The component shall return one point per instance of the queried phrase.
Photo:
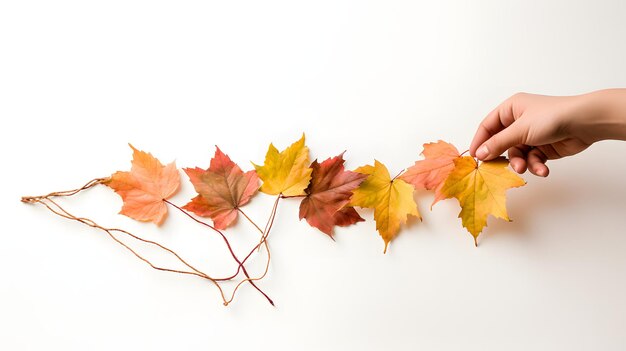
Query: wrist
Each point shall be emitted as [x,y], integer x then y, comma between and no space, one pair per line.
[601,115]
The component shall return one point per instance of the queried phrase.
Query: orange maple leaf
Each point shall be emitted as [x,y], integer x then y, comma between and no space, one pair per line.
[432,172]
[222,189]
[144,188]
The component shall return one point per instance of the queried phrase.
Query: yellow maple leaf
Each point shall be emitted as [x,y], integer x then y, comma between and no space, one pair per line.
[391,199]
[480,190]
[285,172]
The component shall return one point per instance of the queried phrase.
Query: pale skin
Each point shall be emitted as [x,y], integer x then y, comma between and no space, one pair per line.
[537,128]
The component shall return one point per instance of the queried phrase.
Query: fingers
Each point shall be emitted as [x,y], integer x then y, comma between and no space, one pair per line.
[497,120]
[488,127]
[517,158]
[485,130]
[507,138]
[523,157]
[536,160]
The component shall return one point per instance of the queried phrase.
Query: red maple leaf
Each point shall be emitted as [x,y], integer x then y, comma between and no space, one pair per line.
[222,189]
[328,194]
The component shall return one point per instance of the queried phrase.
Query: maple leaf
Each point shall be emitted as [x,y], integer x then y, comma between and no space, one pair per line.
[431,173]
[222,189]
[391,199]
[328,194]
[144,188]
[480,190]
[285,172]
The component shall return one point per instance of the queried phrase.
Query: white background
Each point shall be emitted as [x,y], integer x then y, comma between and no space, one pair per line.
[79,80]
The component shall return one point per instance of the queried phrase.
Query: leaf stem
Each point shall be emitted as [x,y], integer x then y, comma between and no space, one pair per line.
[397,175]
[263,239]
[243,268]
[268,228]
[250,220]
[57,209]
[290,196]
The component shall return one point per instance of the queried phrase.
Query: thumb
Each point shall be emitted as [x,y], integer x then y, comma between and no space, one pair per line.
[507,138]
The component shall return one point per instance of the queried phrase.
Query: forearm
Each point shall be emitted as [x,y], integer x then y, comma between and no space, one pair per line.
[602,115]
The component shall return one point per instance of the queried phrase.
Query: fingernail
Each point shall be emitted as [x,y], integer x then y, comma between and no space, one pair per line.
[541,172]
[482,152]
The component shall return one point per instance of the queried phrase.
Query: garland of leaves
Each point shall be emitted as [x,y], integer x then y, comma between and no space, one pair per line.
[329,196]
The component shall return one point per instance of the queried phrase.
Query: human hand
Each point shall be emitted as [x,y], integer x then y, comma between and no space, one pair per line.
[536,128]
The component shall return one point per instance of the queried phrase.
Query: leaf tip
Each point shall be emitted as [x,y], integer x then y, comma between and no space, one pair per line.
[135,150]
